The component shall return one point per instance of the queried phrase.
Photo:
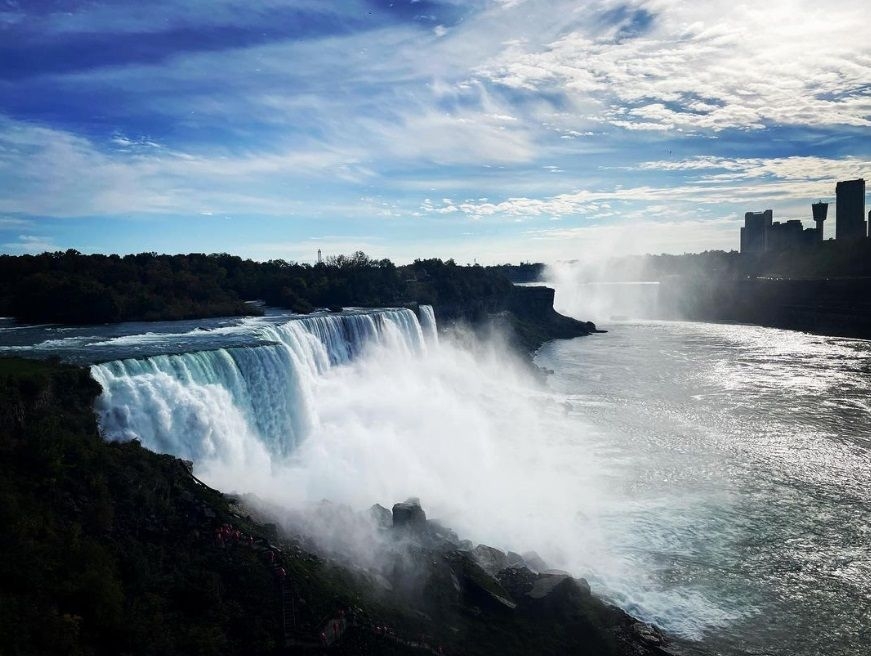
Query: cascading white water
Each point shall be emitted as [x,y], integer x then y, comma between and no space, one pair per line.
[207,404]
[324,341]
[364,408]
[367,408]
[711,479]
[428,323]
[242,402]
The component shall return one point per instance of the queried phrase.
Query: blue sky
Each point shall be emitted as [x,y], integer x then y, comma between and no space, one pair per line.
[495,130]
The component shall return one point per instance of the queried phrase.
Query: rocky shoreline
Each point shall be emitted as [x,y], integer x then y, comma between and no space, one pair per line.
[470,599]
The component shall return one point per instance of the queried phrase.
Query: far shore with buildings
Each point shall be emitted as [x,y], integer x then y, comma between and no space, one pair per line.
[761,234]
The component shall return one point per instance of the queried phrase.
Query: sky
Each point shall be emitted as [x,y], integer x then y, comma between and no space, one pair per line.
[483,130]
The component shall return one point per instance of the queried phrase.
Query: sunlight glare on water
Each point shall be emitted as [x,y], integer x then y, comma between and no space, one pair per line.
[746,450]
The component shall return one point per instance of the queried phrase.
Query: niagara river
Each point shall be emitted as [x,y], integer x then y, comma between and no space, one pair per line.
[711,479]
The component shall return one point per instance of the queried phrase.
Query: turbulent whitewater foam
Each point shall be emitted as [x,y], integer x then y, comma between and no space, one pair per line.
[243,402]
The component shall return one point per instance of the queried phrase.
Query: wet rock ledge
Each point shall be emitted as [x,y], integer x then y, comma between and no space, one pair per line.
[476,599]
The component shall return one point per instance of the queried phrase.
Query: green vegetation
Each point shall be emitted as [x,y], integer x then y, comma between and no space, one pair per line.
[111,549]
[99,553]
[523,272]
[69,287]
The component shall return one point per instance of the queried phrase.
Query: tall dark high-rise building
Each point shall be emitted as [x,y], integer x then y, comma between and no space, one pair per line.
[850,210]
[754,234]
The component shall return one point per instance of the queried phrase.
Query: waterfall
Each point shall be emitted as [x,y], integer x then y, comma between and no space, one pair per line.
[241,403]
[428,324]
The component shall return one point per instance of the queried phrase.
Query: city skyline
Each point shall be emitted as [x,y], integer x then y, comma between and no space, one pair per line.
[761,233]
[494,130]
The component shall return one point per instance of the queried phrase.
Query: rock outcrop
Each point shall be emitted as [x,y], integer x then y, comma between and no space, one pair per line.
[409,514]
[491,560]
[382,517]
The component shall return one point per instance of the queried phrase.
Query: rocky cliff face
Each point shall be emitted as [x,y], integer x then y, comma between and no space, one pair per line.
[524,313]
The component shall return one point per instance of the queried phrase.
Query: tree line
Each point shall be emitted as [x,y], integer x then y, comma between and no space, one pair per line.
[71,287]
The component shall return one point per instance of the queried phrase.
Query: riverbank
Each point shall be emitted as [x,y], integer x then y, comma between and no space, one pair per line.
[840,307]
[110,548]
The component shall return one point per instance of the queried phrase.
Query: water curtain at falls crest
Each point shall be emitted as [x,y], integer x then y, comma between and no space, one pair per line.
[428,323]
[240,403]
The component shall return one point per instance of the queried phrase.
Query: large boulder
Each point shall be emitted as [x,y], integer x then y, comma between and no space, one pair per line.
[545,584]
[479,587]
[515,559]
[382,517]
[491,560]
[534,561]
[409,514]
[545,593]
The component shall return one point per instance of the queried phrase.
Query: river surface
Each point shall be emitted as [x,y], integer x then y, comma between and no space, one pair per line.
[713,479]
[747,452]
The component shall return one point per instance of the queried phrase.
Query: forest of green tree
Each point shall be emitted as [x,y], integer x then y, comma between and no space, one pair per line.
[70,287]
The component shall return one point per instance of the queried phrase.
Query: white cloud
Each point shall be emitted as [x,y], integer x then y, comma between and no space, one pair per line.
[797,168]
[462,137]
[786,184]
[31,244]
[55,173]
[8,222]
[723,181]
[517,113]
[710,65]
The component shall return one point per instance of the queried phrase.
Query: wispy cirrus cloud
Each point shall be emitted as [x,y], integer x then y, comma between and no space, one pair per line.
[55,173]
[797,168]
[31,244]
[711,181]
[704,66]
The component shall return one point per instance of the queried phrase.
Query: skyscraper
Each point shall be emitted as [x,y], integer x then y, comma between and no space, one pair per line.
[754,234]
[850,209]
